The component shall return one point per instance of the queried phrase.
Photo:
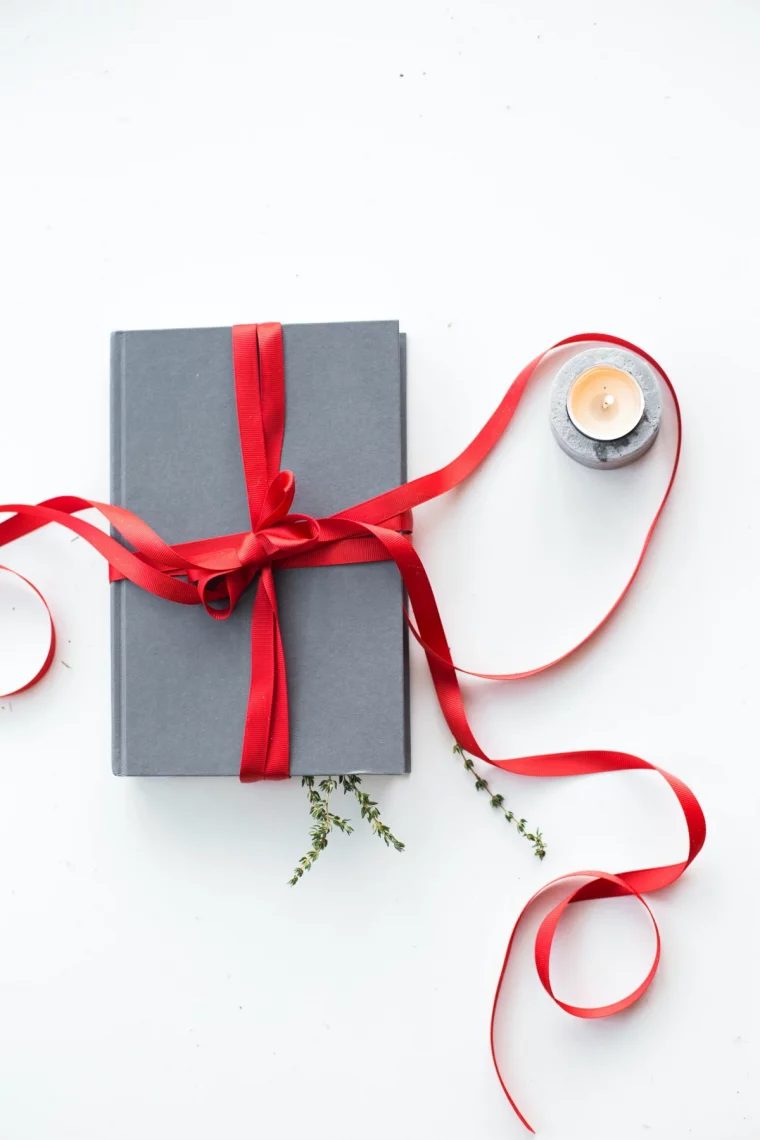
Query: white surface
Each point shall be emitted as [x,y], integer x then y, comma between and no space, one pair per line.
[497,175]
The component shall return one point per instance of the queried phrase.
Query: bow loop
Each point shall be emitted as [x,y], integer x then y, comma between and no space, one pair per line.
[278,500]
[224,589]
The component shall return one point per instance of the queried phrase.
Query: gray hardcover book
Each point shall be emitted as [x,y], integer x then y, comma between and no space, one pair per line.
[180,679]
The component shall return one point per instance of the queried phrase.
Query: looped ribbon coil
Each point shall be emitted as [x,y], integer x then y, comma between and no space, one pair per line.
[214,572]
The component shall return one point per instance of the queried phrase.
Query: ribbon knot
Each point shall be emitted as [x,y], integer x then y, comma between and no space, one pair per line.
[278,499]
[278,533]
[251,551]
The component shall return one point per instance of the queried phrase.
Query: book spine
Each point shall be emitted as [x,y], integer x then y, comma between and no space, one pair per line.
[404,627]
[118,363]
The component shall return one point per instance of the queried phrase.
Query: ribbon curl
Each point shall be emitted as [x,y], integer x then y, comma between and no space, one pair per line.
[214,573]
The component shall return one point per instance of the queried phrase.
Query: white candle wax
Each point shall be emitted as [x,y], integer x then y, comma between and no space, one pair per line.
[605,402]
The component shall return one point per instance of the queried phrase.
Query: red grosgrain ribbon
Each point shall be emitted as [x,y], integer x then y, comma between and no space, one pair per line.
[214,573]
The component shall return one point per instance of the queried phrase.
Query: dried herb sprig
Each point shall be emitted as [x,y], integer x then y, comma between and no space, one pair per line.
[370,811]
[326,821]
[497,801]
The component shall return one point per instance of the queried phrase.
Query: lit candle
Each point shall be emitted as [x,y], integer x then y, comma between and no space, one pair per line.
[605,402]
[606,407]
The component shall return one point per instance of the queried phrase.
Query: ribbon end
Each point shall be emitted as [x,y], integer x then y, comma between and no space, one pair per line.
[522,1119]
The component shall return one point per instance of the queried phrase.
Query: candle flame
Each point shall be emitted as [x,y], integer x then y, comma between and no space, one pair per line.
[607,402]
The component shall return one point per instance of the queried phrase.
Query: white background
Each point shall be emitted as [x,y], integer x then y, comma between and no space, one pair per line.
[496,175]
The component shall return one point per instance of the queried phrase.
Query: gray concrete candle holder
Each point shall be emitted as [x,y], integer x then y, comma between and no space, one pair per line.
[606,453]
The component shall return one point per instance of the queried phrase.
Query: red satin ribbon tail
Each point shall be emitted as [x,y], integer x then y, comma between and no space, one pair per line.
[542,954]
[445,679]
[29,517]
[50,653]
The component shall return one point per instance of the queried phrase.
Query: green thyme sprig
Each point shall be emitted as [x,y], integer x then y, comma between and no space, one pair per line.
[497,801]
[370,811]
[326,821]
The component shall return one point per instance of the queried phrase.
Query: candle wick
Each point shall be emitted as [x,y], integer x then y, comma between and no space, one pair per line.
[607,402]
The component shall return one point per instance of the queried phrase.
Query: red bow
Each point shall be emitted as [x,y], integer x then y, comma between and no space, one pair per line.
[214,572]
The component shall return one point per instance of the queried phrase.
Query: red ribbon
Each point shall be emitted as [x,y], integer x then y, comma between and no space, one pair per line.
[215,572]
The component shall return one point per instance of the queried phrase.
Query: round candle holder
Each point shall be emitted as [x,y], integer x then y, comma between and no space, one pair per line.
[606,453]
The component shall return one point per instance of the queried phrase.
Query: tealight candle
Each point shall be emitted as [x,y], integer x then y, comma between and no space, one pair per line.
[605,402]
[606,407]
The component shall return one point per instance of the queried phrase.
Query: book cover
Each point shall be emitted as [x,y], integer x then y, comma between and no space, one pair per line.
[179,679]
